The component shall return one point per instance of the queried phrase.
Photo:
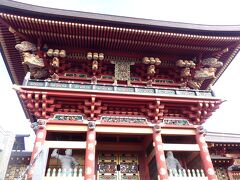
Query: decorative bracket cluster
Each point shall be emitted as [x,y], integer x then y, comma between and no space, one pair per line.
[202,111]
[96,58]
[155,111]
[37,103]
[55,54]
[92,108]
[153,62]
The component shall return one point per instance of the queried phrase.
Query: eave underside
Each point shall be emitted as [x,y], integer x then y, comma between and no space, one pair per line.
[110,35]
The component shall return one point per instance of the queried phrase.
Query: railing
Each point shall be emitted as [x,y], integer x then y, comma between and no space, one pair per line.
[120,88]
[234,174]
[59,174]
[183,174]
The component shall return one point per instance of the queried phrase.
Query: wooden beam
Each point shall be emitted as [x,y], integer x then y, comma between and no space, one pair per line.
[124,130]
[180,147]
[66,144]
[173,131]
[66,128]
[119,146]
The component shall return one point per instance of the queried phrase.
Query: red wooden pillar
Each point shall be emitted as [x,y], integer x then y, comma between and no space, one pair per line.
[90,152]
[159,154]
[204,153]
[40,128]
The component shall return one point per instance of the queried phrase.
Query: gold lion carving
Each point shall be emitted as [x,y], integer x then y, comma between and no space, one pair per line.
[205,73]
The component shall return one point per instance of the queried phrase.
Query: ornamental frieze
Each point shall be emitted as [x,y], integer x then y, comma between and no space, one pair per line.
[178,122]
[124,119]
[68,117]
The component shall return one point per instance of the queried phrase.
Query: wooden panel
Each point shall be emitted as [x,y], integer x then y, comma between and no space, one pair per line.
[181,147]
[169,131]
[116,146]
[68,144]
[66,128]
[124,130]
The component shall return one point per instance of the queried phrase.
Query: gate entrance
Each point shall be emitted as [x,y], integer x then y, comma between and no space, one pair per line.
[118,166]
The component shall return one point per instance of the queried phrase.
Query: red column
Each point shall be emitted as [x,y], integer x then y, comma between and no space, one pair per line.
[90,152]
[40,128]
[206,159]
[159,154]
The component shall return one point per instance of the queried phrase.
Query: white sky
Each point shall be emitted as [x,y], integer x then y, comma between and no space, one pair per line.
[213,12]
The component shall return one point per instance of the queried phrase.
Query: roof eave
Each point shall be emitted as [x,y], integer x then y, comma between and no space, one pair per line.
[120,21]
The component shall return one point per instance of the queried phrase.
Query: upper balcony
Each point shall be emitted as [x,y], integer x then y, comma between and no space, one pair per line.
[123,89]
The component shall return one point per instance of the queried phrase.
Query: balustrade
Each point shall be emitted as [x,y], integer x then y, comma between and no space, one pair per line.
[120,88]
[58,174]
[182,174]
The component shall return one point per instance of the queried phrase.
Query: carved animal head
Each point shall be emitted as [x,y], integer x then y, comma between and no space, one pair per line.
[26,46]
[32,60]
[212,62]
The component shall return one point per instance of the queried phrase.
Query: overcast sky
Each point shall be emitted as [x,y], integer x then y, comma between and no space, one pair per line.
[199,12]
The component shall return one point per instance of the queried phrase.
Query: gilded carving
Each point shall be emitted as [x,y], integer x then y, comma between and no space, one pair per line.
[186,72]
[151,60]
[62,53]
[50,52]
[56,55]
[185,63]
[89,56]
[95,56]
[39,73]
[194,84]
[55,62]
[26,46]
[34,62]
[205,70]
[95,65]
[212,62]
[122,70]
[56,52]
[205,73]
[100,56]
[151,70]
